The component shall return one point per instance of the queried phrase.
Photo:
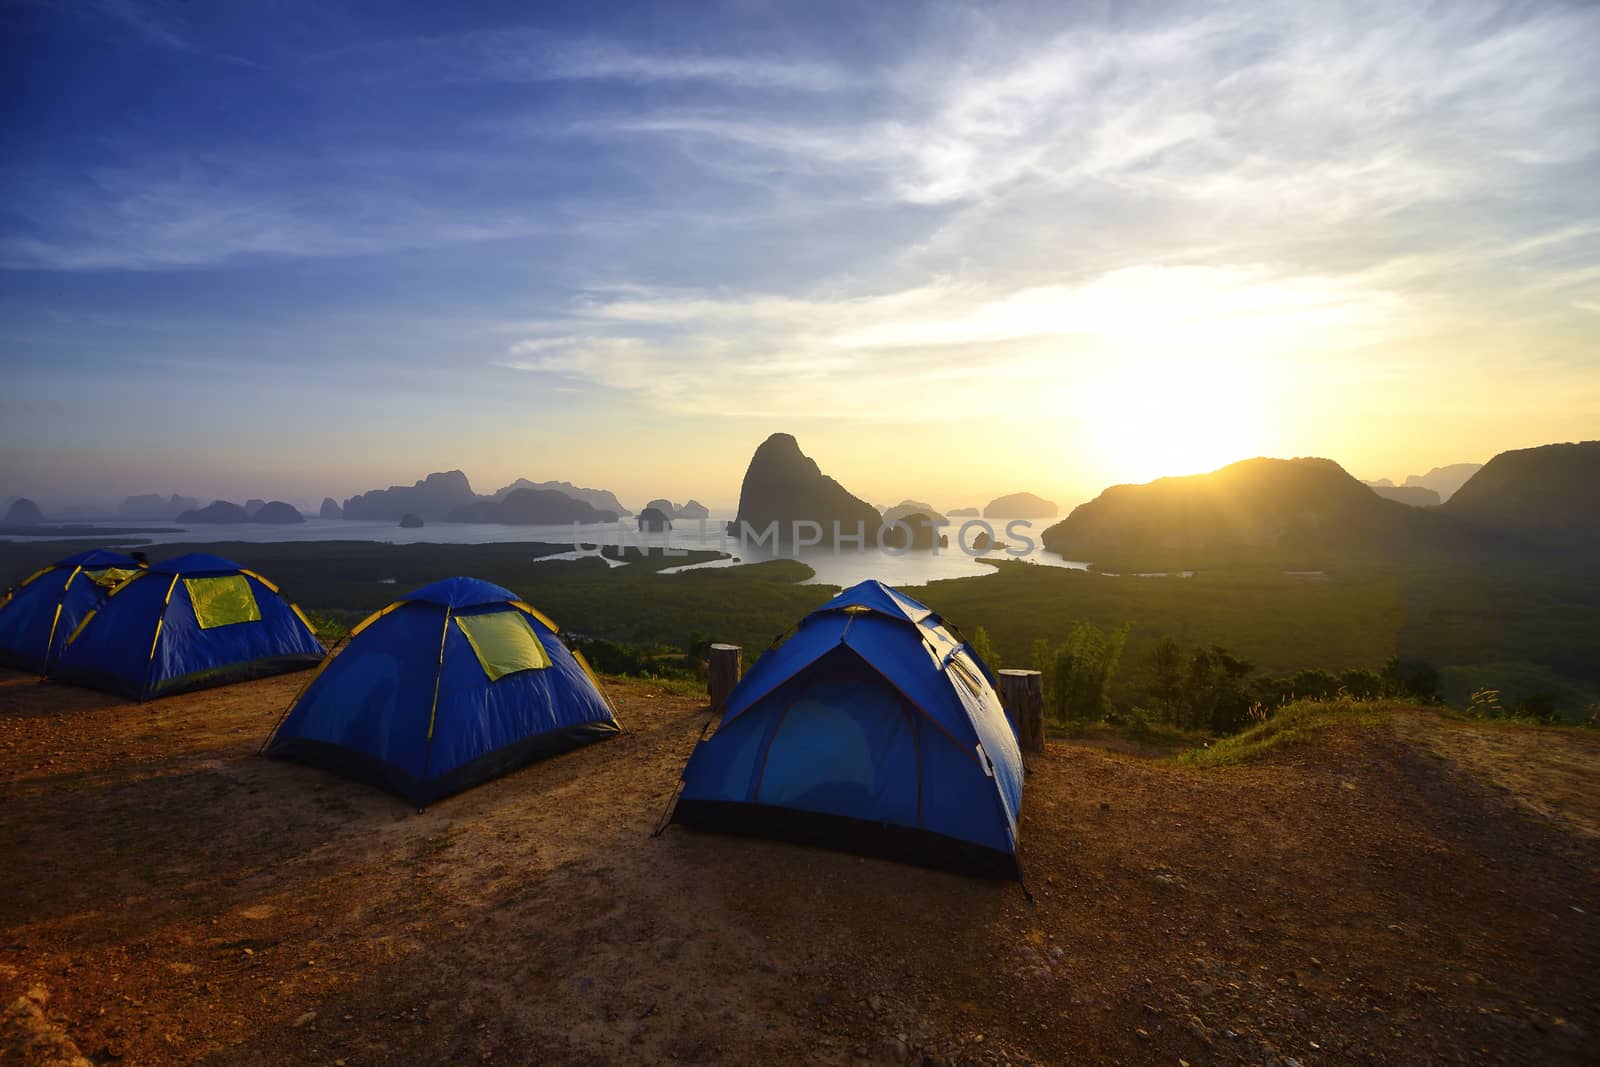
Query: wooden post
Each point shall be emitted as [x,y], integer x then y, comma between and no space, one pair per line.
[723,667]
[1022,695]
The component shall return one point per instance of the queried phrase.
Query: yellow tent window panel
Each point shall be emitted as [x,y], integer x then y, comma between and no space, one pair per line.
[111,576]
[503,642]
[222,601]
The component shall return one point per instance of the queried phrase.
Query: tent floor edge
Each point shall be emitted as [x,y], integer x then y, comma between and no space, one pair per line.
[103,681]
[119,685]
[878,840]
[230,673]
[419,792]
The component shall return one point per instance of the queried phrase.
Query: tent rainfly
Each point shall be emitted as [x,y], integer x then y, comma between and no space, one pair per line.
[457,683]
[191,622]
[873,728]
[38,616]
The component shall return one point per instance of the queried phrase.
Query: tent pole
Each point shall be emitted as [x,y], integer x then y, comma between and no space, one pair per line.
[327,659]
[427,754]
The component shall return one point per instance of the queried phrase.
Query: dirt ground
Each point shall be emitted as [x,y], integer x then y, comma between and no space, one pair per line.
[1422,891]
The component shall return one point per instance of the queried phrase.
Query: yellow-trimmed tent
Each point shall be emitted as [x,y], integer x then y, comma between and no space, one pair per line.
[187,623]
[457,683]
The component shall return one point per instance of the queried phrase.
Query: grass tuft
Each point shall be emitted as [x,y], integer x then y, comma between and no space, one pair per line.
[1292,724]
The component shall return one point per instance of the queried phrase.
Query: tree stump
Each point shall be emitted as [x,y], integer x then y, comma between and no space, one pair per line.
[723,667]
[1022,695]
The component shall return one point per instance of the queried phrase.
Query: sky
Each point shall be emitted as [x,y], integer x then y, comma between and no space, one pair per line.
[285,250]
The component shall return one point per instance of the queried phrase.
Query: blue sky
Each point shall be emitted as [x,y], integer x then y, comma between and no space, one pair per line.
[300,250]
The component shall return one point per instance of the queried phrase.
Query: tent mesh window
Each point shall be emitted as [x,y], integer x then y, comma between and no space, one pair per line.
[222,601]
[503,642]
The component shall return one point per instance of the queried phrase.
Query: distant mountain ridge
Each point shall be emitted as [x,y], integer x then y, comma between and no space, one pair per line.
[530,507]
[447,496]
[220,512]
[600,499]
[692,510]
[907,509]
[1530,500]
[152,506]
[1416,496]
[1306,505]
[1021,506]
[1446,481]
[23,512]
[1548,495]
[433,497]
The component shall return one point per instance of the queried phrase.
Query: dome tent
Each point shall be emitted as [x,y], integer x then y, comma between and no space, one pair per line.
[38,615]
[454,684]
[187,623]
[873,728]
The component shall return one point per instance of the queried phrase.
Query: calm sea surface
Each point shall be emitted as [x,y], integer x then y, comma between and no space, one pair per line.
[845,567]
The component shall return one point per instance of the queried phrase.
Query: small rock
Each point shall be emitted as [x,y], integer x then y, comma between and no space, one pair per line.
[304,1019]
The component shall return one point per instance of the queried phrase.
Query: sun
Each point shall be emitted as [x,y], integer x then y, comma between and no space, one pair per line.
[1152,418]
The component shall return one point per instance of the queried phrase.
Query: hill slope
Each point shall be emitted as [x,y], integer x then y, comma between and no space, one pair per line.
[1306,509]
[1361,896]
[1549,495]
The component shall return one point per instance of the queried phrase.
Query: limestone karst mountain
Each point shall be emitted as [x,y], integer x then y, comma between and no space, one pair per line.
[1021,506]
[599,499]
[784,486]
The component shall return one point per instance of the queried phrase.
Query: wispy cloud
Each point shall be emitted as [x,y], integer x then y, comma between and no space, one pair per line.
[899,354]
[189,212]
[160,24]
[528,56]
[1329,112]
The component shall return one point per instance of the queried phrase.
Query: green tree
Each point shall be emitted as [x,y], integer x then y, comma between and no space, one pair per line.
[1216,694]
[1410,678]
[1164,662]
[1042,657]
[1362,684]
[984,650]
[1314,684]
[1079,671]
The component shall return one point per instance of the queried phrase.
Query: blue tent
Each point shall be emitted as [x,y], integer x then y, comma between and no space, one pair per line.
[37,616]
[873,728]
[457,683]
[187,623]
